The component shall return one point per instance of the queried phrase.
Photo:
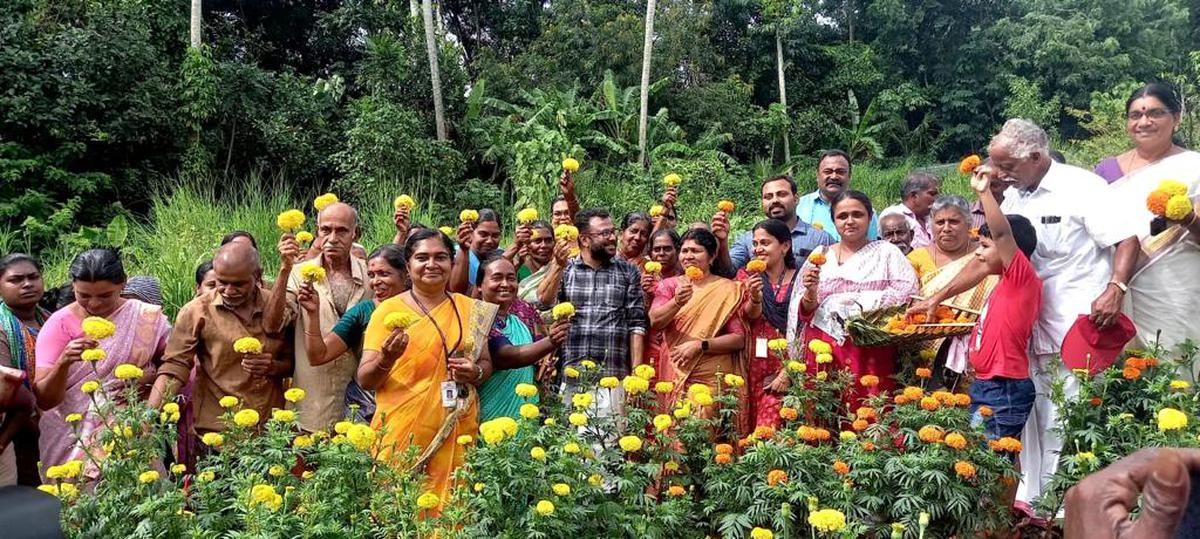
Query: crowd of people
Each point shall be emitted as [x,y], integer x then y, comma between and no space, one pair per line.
[430,335]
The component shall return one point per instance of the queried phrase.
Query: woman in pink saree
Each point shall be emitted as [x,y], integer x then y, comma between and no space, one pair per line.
[98,278]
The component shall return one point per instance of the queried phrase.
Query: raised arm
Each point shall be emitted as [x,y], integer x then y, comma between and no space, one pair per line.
[512,357]
[461,272]
[275,315]
[549,287]
[1000,230]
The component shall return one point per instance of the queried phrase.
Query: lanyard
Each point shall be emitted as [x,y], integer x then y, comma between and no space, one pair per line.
[441,333]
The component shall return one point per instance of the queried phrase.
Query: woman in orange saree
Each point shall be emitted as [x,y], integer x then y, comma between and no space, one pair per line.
[699,316]
[409,368]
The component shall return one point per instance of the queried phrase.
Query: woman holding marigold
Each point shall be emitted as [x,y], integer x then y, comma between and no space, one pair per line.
[699,315]
[424,353]
[856,275]
[1159,299]
[771,276]
[69,352]
[663,264]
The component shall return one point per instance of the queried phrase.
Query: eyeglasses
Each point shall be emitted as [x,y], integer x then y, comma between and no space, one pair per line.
[610,232]
[1153,114]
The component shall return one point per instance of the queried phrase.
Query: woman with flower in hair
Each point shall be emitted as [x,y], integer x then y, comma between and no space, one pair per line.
[770,278]
[699,315]
[67,356]
[1159,300]
[854,275]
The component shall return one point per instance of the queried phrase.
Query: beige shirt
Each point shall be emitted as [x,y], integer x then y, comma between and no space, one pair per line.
[324,386]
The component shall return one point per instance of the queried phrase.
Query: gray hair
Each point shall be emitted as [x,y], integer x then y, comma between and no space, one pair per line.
[1022,138]
[916,182]
[903,220]
[951,202]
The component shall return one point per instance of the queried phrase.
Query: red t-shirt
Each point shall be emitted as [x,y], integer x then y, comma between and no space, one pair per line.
[1000,342]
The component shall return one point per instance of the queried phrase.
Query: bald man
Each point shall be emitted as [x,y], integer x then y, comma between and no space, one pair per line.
[203,336]
[895,228]
[345,285]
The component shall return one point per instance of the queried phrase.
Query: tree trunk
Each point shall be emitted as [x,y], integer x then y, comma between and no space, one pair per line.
[647,51]
[850,18]
[434,77]
[195,23]
[787,145]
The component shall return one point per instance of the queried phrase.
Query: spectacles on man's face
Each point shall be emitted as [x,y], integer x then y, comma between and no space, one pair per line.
[604,233]
[1153,114]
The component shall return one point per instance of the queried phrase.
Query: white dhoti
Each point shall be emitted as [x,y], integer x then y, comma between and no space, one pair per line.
[1041,446]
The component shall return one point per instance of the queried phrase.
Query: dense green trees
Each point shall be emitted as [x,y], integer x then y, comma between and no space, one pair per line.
[100,99]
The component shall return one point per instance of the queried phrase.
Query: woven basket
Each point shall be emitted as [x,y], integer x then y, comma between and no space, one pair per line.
[867,330]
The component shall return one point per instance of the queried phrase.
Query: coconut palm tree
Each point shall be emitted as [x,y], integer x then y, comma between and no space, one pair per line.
[647,52]
[439,114]
[195,23]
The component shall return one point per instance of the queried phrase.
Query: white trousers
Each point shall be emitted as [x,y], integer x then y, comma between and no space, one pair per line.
[1041,446]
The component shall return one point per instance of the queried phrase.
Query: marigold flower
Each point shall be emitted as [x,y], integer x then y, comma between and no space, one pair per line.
[401,320]
[725,206]
[570,164]
[276,471]
[723,459]
[841,468]
[868,446]
[563,310]
[756,266]
[1173,187]
[657,210]
[634,385]
[865,412]
[595,480]
[73,418]
[571,448]
[962,399]
[529,411]
[148,477]
[302,441]
[1131,373]
[566,233]
[228,402]
[544,508]
[294,395]
[652,267]
[796,367]
[428,500]
[869,380]
[283,416]
[93,354]
[823,435]
[538,453]
[246,418]
[913,393]
[126,371]
[247,345]
[676,491]
[761,533]
[526,390]
[662,422]
[1180,385]
[1156,202]
[1096,401]
[985,411]
[964,469]
[860,425]
[923,372]
[630,443]
[290,220]
[694,273]
[672,179]
[817,258]
[929,404]
[304,237]
[323,201]
[89,387]
[827,520]
[817,346]
[312,273]
[468,216]
[212,439]
[1171,419]
[449,232]
[527,215]
[764,432]
[1007,443]
[955,440]
[733,380]
[969,164]
[644,371]
[362,437]
[1178,208]
[807,433]
[788,413]
[561,489]
[930,434]
[577,419]
[663,387]
[571,372]
[97,328]
[207,475]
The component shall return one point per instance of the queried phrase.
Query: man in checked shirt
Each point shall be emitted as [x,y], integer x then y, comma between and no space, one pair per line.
[609,327]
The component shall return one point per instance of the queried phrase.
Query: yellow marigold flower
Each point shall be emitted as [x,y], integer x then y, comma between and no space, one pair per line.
[49,489]
[561,489]
[468,216]
[72,469]
[526,390]
[126,371]
[312,273]
[570,164]
[212,439]
[725,206]
[756,266]
[929,404]
[544,508]
[630,443]
[913,393]
[248,345]
[577,419]
[428,500]
[682,412]
[148,477]
[587,364]
[294,394]
[1178,208]
[703,399]
[595,480]
[563,310]
[657,210]
[1085,456]
[694,273]
[571,448]
[964,469]
[290,220]
[1171,419]
[93,354]
[761,533]
[652,268]
[276,471]
[206,475]
[817,346]
[662,422]
[663,388]
[246,418]
[1179,385]
[676,491]
[73,418]
[672,179]
[97,328]
[969,164]
[478,487]
[823,359]
[733,380]
[262,494]
[228,402]
[449,232]
[788,413]
[581,400]
[796,367]
[89,386]
[170,415]
[566,233]
[847,436]
[923,519]
[302,441]
[609,382]
[403,202]
[304,237]
[323,201]
[464,439]
[777,345]
[527,215]
[400,320]
[529,411]
[635,384]
[1173,187]
[827,520]
[362,437]
[645,372]
[822,376]
[307,474]
[55,472]
[697,389]
[283,416]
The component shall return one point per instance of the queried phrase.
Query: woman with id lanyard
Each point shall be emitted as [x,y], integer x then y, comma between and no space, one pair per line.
[770,278]
[425,376]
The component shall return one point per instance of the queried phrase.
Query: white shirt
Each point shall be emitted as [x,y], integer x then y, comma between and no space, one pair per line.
[922,233]
[1072,212]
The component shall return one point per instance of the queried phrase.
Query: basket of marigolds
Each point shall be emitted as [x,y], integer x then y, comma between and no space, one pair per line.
[892,326]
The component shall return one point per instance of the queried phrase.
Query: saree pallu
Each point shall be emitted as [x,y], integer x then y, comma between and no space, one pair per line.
[762,405]
[1163,292]
[409,407]
[498,396]
[934,278]
[713,311]
[527,289]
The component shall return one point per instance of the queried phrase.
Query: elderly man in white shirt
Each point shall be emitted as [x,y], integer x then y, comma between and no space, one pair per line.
[917,194]
[1085,256]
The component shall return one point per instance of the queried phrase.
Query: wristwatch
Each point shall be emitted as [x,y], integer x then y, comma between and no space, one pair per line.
[1120,285]
[704,345]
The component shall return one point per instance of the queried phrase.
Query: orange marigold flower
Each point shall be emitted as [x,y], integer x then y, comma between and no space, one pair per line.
[744,442]
[1007,443]
[775,477]
[722,459]
[868,446]
[924,372]
[817,258]
[962,399]
[859,425]
[789,413]
[723,449]
[1156,202]
[964,469]
[969,164]
[900,400]
[929,404]
[913,393]
[985,411]
[676,491]
[869,380]
[955,440]
[1131,373]
[1134,362]
[1096,401]
[807,433]
[865,412]
[841,467]
[764,432]
[946,398]
[930,434]
[1150,362]
[823,435]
